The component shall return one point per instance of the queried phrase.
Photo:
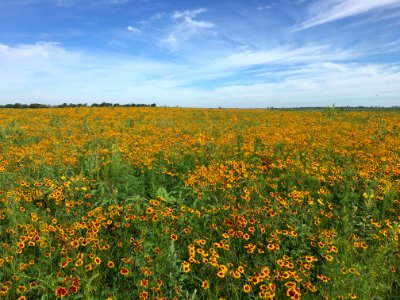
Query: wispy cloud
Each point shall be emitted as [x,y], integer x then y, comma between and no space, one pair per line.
[44,71]
[320,85]
[284,55]
[45,50]
[264,7]
[157,16]
[133,29]
[187,27]
[325,11]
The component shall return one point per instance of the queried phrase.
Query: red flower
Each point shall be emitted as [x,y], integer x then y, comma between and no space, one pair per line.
[73,289]
[97,261]
[124,271]
[61,292]
[246,288]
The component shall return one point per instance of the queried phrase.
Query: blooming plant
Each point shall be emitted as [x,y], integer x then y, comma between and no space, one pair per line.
[199,204]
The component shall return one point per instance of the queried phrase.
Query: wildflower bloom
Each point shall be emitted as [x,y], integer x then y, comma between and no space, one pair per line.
[21,289]
[247,288]
[73,289]
[186,266]
[88,267]
[97,261]
[124,271]
[144,283]
[61,292]
[353,296]
[221,274]
[205,284]
[293,293]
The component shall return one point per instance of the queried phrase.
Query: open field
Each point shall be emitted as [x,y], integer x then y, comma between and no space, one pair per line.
[164,203]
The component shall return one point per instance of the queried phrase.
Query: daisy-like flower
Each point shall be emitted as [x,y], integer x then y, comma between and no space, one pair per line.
[124,271]
[205,284]
[247,288]
[186,266]
[97,261]
[61,292]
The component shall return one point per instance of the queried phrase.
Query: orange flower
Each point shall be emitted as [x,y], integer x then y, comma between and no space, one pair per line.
[21,289]
[73,289]
[247,288]
[174,237]
[353,296]
[205,284]
[97,261]
[293,293]
[186,266]
[124,271]
[144,283]
[61,292]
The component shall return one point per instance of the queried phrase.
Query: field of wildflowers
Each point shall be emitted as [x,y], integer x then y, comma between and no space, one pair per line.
[170,203]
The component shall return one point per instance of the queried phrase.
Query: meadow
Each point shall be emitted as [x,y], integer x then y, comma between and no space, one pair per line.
[172,203]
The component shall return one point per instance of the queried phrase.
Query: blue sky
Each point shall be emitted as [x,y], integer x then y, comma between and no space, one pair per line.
[253,53]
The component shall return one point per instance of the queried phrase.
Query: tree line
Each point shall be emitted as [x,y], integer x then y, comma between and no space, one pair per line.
[103,104]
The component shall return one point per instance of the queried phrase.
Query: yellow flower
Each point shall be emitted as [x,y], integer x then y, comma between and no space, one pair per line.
[205,284]
[247,288]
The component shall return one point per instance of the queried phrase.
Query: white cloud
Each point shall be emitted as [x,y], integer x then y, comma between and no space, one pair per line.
[190,14]
[187,28]
[325,11]
[283,55]
[39,50]
[198,24]
[319,86]
[264,7]
[157,16]
[46,72]
[133,29]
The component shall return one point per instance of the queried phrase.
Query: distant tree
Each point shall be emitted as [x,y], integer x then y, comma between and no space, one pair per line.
[37,105]
[105,104]
[65,104]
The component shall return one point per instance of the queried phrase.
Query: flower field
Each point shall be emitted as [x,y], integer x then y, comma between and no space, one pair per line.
[172,203]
